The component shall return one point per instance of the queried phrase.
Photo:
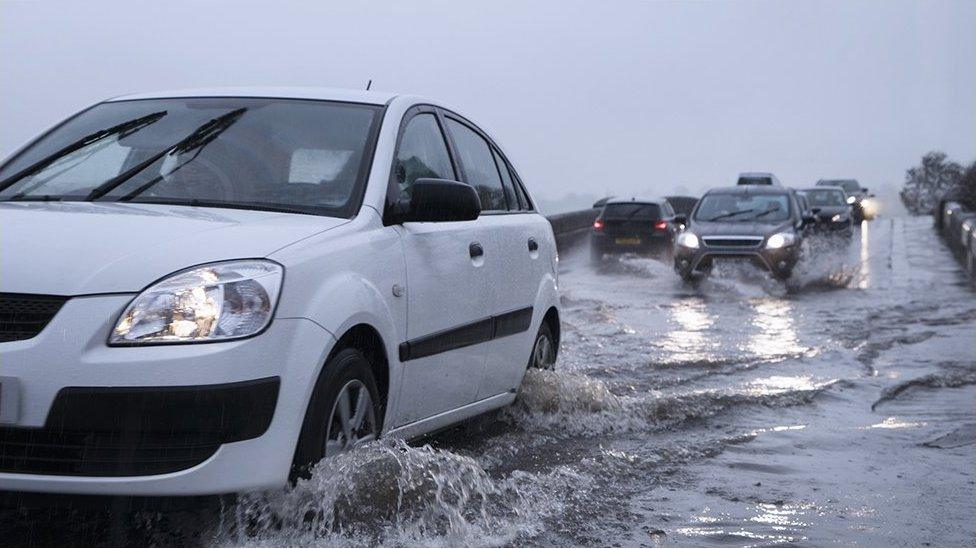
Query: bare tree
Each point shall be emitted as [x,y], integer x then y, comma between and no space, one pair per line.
[927,184]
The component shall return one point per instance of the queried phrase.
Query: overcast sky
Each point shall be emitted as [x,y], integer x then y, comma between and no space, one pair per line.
[625,97]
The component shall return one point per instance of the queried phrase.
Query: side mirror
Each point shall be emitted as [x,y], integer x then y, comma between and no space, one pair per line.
[681,219]
[808,220]
[865,189]
[815,211]
[433,200]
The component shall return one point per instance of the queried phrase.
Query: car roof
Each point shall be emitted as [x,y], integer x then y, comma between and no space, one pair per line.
[757,174]
[835,182]
[636,200]
[750,189]
[322,94]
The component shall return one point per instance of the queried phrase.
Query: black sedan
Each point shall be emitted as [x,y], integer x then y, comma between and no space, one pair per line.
[641,226]
[829,205]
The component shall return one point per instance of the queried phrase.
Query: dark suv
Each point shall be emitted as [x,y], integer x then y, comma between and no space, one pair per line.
[763,225]
[633,226]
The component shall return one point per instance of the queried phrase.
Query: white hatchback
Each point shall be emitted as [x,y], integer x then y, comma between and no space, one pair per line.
[206,292]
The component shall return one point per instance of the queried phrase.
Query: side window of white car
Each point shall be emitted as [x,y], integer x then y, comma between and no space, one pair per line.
[422,153]
[479,166]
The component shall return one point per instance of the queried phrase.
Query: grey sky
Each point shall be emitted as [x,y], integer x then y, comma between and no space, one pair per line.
[628,97]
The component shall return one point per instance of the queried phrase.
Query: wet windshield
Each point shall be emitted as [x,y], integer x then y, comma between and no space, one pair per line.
[274,154]
[743,207]
[821,198]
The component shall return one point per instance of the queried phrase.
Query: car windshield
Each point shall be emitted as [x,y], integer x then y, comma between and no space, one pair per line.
[274,154]
[732,207]
[632,211]
[822,197]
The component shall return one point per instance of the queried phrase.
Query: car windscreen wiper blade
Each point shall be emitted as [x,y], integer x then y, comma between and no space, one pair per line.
[122,130]
[200,137]
[765,212]
[730,214]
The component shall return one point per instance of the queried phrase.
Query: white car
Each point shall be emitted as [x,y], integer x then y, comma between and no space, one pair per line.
[206,292]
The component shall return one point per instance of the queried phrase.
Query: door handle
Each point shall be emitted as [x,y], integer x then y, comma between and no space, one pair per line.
[533,245]
[475,250]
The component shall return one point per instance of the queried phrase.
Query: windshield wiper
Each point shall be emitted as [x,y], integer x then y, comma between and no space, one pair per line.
[769,211]
[729,214]
[123,130]
[200,137]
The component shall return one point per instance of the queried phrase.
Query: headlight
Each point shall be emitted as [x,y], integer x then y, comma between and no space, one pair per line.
[688,240]
[214,302]
[838,218]
[851,199]
[780,240]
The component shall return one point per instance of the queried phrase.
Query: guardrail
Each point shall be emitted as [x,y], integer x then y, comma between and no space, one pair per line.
[571,228]
[958,226]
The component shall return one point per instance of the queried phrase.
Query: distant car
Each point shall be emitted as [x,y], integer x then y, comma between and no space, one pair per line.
[861,201]
[757,178]
[829,205]
[643,226]
[762,225]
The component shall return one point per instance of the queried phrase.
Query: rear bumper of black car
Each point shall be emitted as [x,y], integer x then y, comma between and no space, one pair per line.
[695,262]
[653,243]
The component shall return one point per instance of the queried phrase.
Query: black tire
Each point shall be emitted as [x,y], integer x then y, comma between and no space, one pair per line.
[544,350]
[344,369]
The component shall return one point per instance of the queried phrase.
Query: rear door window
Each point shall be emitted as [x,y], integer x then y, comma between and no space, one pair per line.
[479,167]
[514,204]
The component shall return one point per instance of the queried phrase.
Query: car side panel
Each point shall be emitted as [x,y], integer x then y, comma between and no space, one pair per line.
[346,277]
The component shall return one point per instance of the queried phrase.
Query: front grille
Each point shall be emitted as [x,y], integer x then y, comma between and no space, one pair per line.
[732,241]
[23,316]
[55,452]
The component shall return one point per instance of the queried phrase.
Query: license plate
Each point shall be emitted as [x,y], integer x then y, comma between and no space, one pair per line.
[9,399]
[627,241]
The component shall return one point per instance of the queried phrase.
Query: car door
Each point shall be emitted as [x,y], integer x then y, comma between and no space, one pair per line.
[448,326]
[515,242]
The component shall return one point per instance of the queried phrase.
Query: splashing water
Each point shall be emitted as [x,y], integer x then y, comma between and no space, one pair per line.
[389,493]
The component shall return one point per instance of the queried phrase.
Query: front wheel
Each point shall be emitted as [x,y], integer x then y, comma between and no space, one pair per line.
[344,411]
[544,350]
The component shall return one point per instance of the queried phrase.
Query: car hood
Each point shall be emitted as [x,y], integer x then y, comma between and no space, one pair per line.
[717,228]
[78,248]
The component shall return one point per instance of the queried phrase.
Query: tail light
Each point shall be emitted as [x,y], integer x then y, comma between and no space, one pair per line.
[598,225]
[660,225]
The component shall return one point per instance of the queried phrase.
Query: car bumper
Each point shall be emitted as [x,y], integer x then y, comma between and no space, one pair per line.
[652,243]
[690,262]
[161,420]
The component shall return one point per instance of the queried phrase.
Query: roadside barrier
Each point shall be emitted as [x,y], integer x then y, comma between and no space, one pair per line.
[958,226]
[571,228]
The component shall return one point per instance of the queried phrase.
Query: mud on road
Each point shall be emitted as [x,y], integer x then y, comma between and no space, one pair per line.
[735,412]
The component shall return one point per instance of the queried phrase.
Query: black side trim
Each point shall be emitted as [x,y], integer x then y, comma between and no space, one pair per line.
[512,323]
[486,329]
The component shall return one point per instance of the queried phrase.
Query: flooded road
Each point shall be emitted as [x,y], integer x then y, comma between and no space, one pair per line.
[734,412]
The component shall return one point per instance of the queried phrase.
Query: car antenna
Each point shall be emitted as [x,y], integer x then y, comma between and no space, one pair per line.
[368,84]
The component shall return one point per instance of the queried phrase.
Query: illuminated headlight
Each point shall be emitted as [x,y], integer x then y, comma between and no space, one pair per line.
[851,199]
[838,218]
[780,240]
[215,302]
[688,240]
[966,226]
